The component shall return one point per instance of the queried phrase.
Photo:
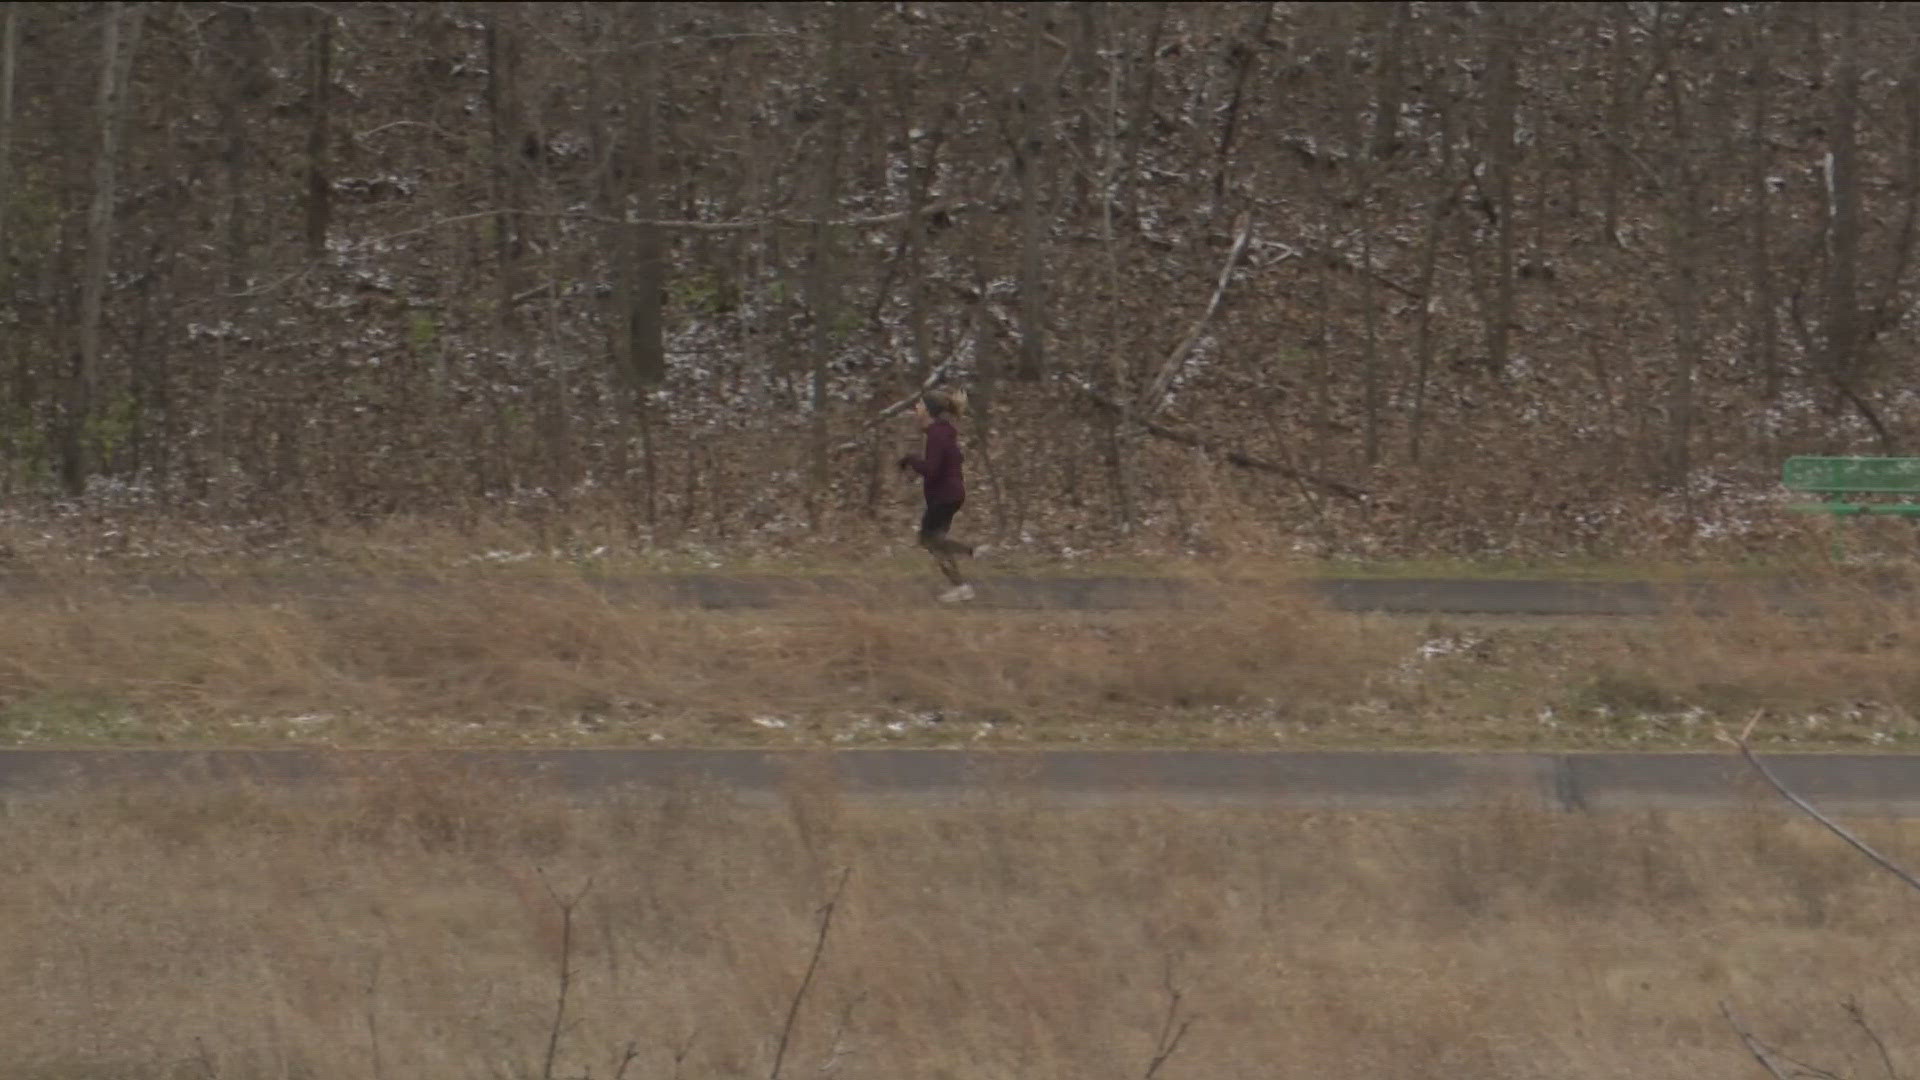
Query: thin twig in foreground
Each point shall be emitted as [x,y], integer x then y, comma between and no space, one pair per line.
[566,905]
[799,995]
[1172,1027]
[1858,844]
[1752,1044]
[626,1058]
[373,1019]
[1859,1016]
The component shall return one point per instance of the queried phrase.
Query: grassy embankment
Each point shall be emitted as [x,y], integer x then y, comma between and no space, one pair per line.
[432,646]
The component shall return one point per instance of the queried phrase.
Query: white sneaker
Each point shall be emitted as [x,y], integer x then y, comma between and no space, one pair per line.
[957,594]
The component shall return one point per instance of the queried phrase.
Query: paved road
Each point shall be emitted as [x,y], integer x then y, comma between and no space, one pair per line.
[1843,783]
[1009,591]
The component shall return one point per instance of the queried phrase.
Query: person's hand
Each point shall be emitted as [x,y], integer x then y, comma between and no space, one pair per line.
[905,463]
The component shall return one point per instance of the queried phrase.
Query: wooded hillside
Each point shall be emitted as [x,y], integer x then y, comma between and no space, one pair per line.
[1361,278]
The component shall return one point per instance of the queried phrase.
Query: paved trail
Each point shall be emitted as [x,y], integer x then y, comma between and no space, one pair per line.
[1009,591]
[1846,783]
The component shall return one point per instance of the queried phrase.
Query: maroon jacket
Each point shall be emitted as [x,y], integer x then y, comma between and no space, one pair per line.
[940,465]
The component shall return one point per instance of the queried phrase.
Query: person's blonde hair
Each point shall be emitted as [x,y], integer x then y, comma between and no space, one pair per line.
[945,403]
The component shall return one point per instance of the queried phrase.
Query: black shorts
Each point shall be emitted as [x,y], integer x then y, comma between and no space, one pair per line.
[939,517]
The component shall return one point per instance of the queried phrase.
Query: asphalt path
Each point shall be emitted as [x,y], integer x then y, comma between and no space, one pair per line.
[1856,784]
[746,592]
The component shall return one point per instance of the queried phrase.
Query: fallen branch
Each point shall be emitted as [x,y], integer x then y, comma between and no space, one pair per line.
[1753,1045]
[800,995]
[1154,397]
[1233,457]
[680,225]
[566,904]
[897,407]
[1173,1027]
[1859,1017]
[1858,844]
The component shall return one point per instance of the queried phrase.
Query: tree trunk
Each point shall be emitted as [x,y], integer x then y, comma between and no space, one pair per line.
[1843,196]
[240,83]
[1115,430]
[1503,45]
[1370,343]
[1390,85]
[1620,86]
[1030,157]
[1140,117]
[119,38]
[1686,233]
[1445,192]
[319,121]
[9,49]
[1693,153]
[507,129]
[921,172]
[641,334]
[822,284]
[1243,56]
[1762,328]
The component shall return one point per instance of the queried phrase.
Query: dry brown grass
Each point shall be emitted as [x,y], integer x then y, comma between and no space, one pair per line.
[402,927]
[541,654]
[429,654]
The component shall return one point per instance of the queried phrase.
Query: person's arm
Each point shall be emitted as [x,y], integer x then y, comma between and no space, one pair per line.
[935,457]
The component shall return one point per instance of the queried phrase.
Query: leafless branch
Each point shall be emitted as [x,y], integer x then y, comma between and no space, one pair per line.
[1858,1016]
[1173,1027]
[813,965]
[391,124]
[1754,1046]
[680,1052]
[898,407]
[566,905]
[1236,458]
[945,206]
[1858,845]
[373,1017]
[1153,399]
[836,1048]
[626,1059]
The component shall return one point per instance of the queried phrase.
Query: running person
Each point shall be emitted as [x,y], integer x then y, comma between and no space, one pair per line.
[941,481]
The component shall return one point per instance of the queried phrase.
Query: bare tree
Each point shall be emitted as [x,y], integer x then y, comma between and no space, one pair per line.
[1685,194]
[319,132]
[119,39]
[9,50]
[1140,115]
[1503,47]
[1762,325]
[639,343]
[1242,56]
[822,282]
[1842,324]
[507,130]
[1390,84]
[1444,192]
[1030,162]
[240,68]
